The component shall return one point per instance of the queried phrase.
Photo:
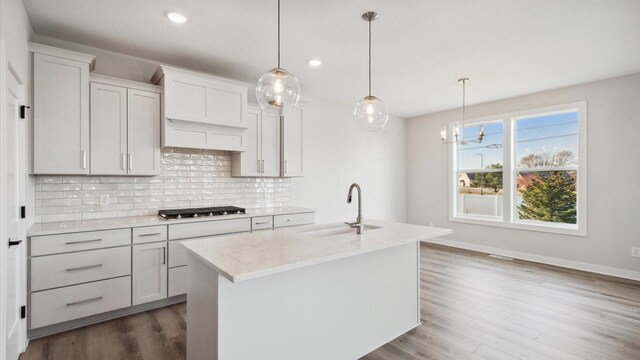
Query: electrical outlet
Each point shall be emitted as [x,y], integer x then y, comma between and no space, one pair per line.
[635,251]
[104,199]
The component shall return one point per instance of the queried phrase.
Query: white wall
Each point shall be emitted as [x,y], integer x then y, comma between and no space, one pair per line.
[16,29]
[336,154]
[613,111]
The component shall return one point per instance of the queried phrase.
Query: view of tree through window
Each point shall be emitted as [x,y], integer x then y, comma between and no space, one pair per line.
[546,167]
[525,171]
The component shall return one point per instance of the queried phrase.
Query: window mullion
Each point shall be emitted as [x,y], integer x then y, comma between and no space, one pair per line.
[507,174]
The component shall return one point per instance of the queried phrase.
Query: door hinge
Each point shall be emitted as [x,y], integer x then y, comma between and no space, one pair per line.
[23,312]
[23,212]
[23,111]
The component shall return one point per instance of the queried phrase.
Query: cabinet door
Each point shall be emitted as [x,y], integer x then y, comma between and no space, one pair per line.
[61,115]
[144,132]
[149,272]
[292,144]
[108,129]
[270,134]
[247,163]
[186,98]
[228,105]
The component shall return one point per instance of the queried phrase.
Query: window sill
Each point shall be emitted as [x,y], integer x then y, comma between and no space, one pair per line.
[555,229]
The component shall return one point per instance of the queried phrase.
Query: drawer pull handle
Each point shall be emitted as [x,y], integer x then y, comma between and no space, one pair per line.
[84,267]
[152,234]
[164,255]
[82,241]
[262,222]
[291,220]
[84,301]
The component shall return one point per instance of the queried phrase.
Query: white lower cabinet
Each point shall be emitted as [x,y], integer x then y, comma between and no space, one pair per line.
[149,272]
[177,254]
[85,274]
[178,281]
[293,220]
[53,271]
[74,302]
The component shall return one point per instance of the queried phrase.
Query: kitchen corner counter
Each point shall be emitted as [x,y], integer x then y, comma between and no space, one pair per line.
[62,227]
[247,256]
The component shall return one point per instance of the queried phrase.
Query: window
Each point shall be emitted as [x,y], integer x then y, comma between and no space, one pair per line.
[529,172]
[479,173]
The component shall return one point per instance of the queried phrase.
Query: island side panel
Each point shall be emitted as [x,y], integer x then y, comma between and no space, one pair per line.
[202,311]
[336,310]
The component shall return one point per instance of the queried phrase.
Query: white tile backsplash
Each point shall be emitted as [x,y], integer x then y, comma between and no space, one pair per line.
[189,178]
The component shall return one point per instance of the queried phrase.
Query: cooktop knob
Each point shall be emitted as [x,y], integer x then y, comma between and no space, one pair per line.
[179,216]
[210,214]
[239,212]
[224,213]
[195,215]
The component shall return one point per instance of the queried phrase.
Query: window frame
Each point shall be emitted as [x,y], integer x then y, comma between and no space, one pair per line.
[509,216]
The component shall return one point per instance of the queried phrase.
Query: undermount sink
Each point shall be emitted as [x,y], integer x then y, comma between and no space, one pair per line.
[338,229]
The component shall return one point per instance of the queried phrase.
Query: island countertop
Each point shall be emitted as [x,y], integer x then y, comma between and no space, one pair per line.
[247,256]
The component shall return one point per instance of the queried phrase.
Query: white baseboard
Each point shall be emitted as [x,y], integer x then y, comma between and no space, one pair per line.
[570,264]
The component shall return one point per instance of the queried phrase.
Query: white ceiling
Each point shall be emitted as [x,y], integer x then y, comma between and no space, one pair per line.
[420,47]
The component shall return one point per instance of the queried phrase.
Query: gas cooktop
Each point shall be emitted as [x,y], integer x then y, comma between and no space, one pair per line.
[200,212]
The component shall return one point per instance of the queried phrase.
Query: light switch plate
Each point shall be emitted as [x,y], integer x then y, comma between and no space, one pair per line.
[104,199]
[635,251]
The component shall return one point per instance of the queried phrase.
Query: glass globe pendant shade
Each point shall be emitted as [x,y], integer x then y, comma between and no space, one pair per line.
[371,114]
[278,91]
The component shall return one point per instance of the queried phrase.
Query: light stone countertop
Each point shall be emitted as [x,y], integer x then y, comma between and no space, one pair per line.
[63,227]
[247,256]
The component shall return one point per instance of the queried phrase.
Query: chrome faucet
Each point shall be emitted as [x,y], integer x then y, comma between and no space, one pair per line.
[359,224]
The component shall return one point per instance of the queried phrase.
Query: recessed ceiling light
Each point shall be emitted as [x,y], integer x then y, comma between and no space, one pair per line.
[177,18]
[314,62]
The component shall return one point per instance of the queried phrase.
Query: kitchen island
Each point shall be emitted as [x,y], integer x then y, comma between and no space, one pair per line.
[310,292]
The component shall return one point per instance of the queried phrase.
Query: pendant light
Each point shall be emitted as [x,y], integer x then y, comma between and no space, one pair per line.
[370,112]
[459,134]
[278,91]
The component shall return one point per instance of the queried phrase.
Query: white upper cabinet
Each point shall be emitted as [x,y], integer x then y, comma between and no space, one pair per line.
[60,111]
[125,127]
[261,157]
[270,136]
[143,132]
[292,144]
[108,129]
[249,162]
[201,111]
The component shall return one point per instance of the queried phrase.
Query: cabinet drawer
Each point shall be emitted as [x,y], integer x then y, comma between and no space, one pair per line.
[262,222]
[149,234]
[208,228]
[54,244]
[293,219]
[74,302]
[69,269]
[178,281]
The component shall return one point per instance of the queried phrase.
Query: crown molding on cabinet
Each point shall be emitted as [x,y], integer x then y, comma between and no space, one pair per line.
[124,83]
[163,69]
[65,54]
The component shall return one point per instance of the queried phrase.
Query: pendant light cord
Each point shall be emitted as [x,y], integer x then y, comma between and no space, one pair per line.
[369,56]
[278,34]
[464,101]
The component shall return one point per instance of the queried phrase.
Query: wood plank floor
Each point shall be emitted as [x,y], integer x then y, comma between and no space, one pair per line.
[473,307]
